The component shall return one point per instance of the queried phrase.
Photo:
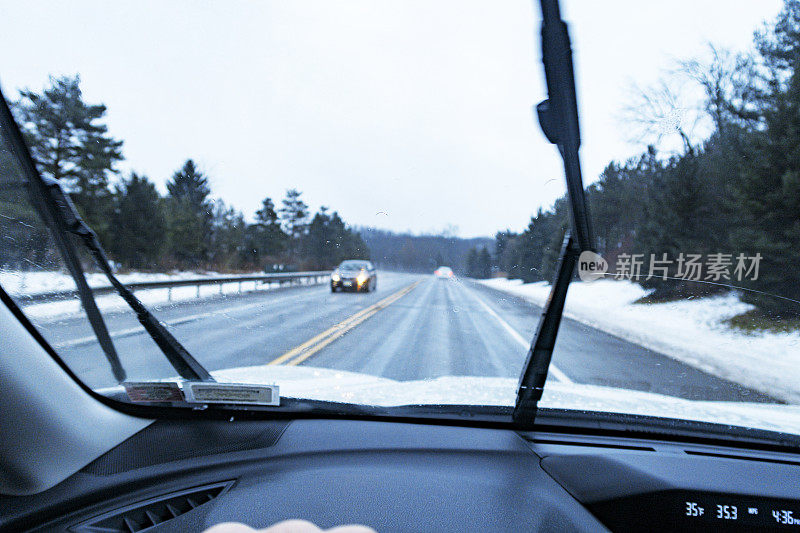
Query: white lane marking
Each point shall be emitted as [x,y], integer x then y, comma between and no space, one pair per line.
[556,373]
[177,322]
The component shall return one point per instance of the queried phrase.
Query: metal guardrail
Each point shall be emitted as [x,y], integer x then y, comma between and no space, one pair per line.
[291,278]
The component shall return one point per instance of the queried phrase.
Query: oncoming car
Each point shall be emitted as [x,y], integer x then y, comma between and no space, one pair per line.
[354,275]
[444,272]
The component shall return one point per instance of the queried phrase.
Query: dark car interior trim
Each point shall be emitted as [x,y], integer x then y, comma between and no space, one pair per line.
[382,474]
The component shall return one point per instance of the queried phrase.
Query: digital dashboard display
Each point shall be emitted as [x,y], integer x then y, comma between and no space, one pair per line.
[745,511]
[694,511]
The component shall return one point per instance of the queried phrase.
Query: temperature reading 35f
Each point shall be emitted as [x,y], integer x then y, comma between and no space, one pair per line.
[692,509]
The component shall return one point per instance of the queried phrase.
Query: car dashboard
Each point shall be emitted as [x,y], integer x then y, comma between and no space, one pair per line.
[186,475]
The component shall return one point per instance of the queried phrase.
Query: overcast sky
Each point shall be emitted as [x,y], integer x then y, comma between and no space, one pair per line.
[412,115]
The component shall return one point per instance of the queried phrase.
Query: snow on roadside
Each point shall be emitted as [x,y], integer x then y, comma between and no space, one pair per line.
[19,284]
[691,331]
[29,283]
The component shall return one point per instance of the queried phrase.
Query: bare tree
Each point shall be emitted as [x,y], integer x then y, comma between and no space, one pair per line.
[731,83]
[668,108]
[693,97]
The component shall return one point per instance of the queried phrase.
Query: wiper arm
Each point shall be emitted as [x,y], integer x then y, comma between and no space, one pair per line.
[558,117]
[534,373]
[20,150]
[187,366]
[58,211]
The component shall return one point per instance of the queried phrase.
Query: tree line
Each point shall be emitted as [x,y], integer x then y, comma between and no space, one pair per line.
[419,253]
[187,227]
[734,191]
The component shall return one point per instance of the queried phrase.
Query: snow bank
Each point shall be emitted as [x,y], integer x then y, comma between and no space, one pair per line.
[691,331]
[19,284]
[29,283]
[350,387]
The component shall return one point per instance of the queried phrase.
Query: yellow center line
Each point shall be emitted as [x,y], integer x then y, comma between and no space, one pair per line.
[313,345]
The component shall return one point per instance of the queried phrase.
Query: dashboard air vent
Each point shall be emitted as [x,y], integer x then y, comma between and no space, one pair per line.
[143,515]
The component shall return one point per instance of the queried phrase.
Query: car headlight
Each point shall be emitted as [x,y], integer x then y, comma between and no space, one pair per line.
[335,277]
[361,278]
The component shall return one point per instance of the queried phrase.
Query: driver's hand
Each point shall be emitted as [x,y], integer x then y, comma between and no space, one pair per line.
[287,526]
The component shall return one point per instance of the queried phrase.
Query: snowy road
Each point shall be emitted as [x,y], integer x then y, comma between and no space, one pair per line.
[413,327]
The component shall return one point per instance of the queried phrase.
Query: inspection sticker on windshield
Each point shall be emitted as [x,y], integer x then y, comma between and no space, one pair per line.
[232,393]
[159,391]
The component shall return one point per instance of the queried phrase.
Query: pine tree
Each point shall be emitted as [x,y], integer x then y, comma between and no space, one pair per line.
[530,247]
[265,239]
[70,143]
[767,191]
[190,215]
[328,241]
[355,246]
[228,247]
[267,214]
[617,201]
[191,186]
[681,209]
[484,264]
[348,244]
[503,242]
[545,243]
[319,243]
[294,215]
[472,263]
[138,223]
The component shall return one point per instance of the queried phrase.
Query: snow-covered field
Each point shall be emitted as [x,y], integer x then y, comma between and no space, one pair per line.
[691,331]
[29,283]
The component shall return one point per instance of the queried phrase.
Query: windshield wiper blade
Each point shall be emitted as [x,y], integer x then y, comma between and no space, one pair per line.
[58,211]
[558,117]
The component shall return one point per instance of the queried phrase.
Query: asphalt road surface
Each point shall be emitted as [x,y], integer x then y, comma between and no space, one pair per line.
[413,327]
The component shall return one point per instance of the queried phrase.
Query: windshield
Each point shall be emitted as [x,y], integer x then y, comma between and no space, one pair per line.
[233,180]
[353,265]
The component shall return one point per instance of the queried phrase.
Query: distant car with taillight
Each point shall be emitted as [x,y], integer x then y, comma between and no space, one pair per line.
[444,272]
